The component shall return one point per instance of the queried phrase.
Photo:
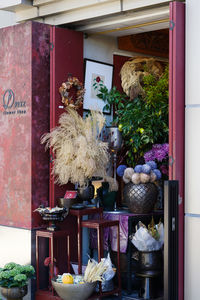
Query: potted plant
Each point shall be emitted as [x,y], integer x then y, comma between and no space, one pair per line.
[14,279]
[143,120]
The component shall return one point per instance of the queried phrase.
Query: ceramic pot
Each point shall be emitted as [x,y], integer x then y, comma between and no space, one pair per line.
[140,198]
[74,291]
[150,260]
[16,293]
[86,193]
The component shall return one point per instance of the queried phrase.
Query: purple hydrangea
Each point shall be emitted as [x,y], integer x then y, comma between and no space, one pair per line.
[138,169]
[120,170]
[152,164]
[148,156]
[160,154]
[146,169]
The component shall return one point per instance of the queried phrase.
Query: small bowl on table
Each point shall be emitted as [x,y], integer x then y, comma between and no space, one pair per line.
[74,291]
[67,202]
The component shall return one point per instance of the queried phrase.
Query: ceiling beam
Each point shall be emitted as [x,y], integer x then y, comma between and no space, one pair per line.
[134,18]
[64,6]
[43,2]
[106,7]
[137,4]
[15,5]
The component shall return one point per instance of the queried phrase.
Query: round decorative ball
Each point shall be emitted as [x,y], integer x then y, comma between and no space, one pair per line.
[153,176]
[152,164]
[158,174]
[140,198]
[146,169]
[126,180]
[144,178]
[120,170]
[138,169]
[128,173]
[136,178]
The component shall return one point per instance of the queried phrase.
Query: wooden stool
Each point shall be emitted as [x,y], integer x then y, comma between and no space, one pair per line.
[52,235]
[79,213]
[99,225]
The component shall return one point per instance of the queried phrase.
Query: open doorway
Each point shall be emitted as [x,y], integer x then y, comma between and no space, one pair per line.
[100,49]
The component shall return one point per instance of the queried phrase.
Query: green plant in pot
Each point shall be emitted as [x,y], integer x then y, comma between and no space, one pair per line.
[14,279]
[143,120]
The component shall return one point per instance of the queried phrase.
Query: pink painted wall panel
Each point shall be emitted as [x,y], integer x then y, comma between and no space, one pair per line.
[24,116]
[15,127]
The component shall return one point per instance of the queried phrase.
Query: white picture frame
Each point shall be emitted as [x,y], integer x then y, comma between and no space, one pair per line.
[94,69]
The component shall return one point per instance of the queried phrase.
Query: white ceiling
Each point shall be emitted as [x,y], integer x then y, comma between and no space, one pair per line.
[127,23]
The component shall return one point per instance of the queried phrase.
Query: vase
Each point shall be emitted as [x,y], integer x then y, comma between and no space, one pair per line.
[86,193]
[107,198]
[140,198]
[150,260]
[16,293]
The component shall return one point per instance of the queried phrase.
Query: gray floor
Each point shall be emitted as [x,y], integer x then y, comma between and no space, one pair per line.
[133,296]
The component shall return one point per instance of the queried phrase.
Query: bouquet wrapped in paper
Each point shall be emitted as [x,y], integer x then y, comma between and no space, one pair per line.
[148,239]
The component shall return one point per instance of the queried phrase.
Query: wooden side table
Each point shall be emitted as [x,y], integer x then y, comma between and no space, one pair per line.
[52,236]
[99,225]
[79,213]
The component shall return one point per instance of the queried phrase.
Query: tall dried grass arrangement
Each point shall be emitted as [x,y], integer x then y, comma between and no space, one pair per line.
[79,153]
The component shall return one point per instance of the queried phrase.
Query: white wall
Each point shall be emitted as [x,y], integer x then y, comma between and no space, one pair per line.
[7,18]
[192,152]
[17,249]
[18,245]
[102,48]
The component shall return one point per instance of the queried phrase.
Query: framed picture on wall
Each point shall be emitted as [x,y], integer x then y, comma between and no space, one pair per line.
[98,72]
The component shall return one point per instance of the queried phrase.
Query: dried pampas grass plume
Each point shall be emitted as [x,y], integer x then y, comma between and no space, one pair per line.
[79,153]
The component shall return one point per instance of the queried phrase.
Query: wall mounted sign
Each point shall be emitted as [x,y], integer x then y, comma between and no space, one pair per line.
[12,107]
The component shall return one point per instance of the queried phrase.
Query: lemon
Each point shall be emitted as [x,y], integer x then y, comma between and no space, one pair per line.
[120,127]
[141,130]
[67,279]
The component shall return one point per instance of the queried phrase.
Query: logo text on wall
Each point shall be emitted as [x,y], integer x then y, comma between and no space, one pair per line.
[11,106]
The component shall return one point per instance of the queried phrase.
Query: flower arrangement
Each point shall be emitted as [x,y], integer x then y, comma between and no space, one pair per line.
[79,152]
[159,154]
[143,120]
[15,275]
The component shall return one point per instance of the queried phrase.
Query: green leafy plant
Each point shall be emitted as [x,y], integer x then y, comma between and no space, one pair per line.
[15,275]
[143,121]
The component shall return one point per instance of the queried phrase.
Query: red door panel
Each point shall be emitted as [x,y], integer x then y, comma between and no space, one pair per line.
[66,58]
[176,116]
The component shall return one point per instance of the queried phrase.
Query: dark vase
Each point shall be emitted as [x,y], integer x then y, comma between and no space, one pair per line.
[107,198]
[140,198]
[150,260]
[86,193]
[16,293]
